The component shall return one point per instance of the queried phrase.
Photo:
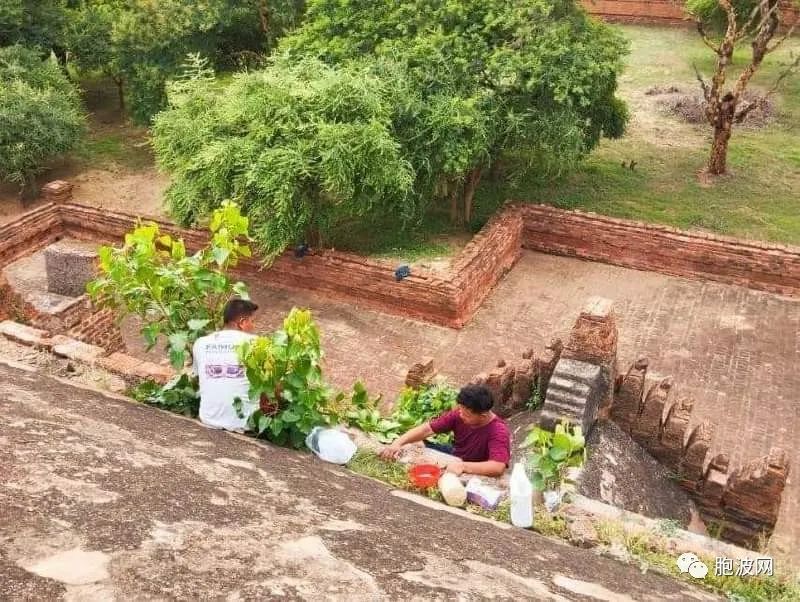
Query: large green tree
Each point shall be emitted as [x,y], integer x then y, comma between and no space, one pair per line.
[141,44]
[40,114]
[298,147]
[481,77]
[35,24]
[724,26]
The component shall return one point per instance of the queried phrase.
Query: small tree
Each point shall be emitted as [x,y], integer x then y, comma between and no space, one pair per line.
[178,296]
[724,26]
[40,115]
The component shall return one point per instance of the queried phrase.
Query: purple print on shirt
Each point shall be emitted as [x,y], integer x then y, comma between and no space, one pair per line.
[224,371]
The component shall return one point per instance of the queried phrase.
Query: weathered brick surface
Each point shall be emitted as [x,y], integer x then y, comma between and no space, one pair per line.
[77,350]
[421,373]
[12,305]
[99,327]
[451,298]
[512,384]
[57,191]
[30,232]
[26,335]
[70,266]
[745,503]
[662,12]
[593,339]
[761,266]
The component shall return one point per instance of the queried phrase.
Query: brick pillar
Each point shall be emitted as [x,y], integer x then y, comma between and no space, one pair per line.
[57,191]
[593,340]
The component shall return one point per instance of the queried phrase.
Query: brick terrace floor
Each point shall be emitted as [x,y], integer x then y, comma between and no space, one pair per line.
[735,351]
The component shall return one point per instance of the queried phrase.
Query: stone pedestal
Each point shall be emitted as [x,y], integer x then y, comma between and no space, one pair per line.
[57,191]
[70,266]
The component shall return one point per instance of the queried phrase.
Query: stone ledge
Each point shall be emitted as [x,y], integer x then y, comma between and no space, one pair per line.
[25,335]
[77,350]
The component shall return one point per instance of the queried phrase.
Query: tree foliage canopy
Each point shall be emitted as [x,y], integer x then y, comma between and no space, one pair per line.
[142,44]
[483,76]
[40,114]
[298,147]
[416,100]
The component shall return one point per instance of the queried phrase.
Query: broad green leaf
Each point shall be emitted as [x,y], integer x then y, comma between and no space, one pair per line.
[198,324]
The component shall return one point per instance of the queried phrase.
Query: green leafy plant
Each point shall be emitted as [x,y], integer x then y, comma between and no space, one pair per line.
[40,114]
[554,452]
[180,395]
[178,296]
[415,406]
[361,411]
[285,368]
[537,395]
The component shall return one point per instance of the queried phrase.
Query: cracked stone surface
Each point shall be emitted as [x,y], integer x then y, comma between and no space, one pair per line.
[153,506]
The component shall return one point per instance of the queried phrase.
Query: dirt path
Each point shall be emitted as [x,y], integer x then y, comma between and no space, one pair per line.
[103,498]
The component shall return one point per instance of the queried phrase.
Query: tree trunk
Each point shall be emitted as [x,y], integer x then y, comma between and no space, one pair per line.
[120,92]
[454,212]
[723,123]
[263,15]
[473,179]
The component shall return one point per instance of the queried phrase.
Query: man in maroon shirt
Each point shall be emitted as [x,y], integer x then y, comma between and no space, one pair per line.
[482,440]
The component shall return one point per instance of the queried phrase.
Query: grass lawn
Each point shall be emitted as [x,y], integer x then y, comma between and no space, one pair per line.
[761,199]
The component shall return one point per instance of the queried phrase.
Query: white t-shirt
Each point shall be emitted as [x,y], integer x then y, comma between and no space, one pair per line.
[222,379]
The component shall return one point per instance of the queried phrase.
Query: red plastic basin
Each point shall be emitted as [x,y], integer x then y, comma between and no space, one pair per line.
[424,475]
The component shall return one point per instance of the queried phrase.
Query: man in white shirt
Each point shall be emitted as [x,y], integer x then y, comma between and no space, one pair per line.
[222,377]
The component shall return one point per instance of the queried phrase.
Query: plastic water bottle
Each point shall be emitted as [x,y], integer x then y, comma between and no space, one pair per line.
[521,494]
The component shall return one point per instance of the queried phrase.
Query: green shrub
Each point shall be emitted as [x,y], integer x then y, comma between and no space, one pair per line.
[40,114]
[286,369]
[554,452]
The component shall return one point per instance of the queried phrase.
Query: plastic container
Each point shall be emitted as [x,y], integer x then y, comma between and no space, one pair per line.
[452,490]
[424,475]
[521,494]
[483,495]
[331,445]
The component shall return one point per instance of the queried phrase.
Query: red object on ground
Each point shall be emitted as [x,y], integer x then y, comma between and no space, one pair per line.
[424,475]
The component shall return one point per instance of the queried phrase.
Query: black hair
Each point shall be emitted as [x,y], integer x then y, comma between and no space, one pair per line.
[236,309]
[477,398]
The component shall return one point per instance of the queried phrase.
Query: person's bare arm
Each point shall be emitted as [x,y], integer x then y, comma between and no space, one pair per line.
[418,433]
[489,468]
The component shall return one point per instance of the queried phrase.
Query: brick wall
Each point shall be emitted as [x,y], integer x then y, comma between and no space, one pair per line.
[744,502]
[664,12]
[99,328]
[760,266]
[30,232]
[452,297]
[441,299]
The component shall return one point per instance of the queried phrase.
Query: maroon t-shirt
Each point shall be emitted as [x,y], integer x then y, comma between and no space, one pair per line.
[475,444]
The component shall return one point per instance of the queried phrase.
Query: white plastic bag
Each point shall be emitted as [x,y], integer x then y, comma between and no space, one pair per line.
[331,445]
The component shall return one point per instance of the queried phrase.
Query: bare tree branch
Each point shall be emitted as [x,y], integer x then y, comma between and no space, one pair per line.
[750,19]
[746,30]
[703,84]
[792,66]
[746,110]
[706,40]
[788,33]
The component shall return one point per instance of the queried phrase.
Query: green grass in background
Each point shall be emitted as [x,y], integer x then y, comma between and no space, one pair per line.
[760,200]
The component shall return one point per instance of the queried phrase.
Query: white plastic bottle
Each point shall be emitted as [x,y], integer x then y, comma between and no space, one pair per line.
[521,494]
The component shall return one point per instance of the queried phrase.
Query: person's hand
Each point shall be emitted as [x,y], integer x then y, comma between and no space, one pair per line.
[390,452]
[457,468]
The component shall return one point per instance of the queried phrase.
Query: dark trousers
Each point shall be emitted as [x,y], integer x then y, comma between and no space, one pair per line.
[445,448]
